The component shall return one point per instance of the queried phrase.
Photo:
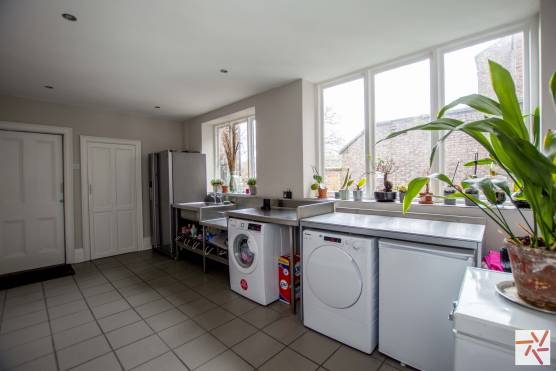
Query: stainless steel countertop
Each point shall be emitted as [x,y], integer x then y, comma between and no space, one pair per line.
[220,223]
[418,230]
[196,206]
[275,215]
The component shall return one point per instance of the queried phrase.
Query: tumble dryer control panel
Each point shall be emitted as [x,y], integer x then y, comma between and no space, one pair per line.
[335,239]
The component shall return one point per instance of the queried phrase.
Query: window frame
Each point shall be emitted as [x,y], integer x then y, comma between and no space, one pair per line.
[251,150]
[435,55]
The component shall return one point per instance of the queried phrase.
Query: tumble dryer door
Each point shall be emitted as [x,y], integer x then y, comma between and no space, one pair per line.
[333,277]
[245,253]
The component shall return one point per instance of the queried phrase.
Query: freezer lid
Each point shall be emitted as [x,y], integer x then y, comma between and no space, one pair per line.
[449,252]
[482,313]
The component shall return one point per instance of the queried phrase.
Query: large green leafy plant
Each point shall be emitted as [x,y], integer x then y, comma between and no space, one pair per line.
[504,134]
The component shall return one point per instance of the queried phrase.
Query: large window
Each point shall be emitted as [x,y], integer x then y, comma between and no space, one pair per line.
[405,93]
[245,165]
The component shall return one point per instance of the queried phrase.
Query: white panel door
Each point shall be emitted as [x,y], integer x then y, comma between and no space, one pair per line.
[112,198]
[31,201]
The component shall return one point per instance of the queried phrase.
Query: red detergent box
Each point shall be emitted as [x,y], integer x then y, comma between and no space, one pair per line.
[284,278]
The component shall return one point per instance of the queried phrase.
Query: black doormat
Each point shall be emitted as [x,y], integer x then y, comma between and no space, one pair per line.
[11,280]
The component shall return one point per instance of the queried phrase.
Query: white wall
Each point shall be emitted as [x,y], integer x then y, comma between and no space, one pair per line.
[548,61]
[154,134]
[285,136]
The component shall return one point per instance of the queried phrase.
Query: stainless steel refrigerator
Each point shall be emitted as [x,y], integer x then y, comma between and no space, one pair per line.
[174,177]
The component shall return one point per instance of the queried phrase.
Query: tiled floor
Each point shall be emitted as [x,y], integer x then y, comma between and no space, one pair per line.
[144,311]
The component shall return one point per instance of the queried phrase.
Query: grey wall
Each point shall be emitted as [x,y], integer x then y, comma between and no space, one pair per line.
[154,134]
[280,136]
[548,61]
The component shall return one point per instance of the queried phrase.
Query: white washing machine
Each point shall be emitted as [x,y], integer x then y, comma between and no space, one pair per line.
[340,287]
[253,252]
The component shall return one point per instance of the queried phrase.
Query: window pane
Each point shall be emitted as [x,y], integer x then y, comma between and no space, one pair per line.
[467,72]
[242,161]
[402,100]
[254,159]
[344,129]
[222,163]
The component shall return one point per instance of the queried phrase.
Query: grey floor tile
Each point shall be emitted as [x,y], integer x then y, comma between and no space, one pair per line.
[239,306]
[222,296]
[26,352]
[182,297]
[71,320]
[286,329]
[387,367]
[154,307]
[16,323]
[24,299]
[63,299]
[197,307]
[214,318]
[107,309]
[75,335]
[125,282]
[166,319]
[97,290]
[143,298]
[261,317]
[44,363]
[289,360]
[23,309]
[64,290]
[128,334]
[181,333]
[315,346]
[166,362]
[200,350]
[104,298]
[91,281]
[82,352]
[227,361]
[32,288]
[280,307]
[258,348]
[118,320]
[67,308]
[141,351]
[234,331]
[22,336]
[350,359]
[107,362]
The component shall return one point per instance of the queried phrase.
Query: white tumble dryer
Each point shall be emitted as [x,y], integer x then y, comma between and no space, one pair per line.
[253,252]
[340,287]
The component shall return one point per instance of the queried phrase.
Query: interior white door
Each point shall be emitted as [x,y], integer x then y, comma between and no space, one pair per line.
[113,198]
[31,201]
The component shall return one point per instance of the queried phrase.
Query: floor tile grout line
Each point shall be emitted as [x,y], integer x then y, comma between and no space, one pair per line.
[155,333]
[102,333]
[51,333]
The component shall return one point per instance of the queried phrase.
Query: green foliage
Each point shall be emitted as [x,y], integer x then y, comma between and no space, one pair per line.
[318,180]
[348,181]
[505,136]
[360,183]
[216,182]
[252,182]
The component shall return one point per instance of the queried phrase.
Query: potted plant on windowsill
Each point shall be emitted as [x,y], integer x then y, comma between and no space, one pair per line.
[386,167]
[402,189]
[358,191]
[216,184]
[344,189]
[252,183]
[318,184]
[529,162]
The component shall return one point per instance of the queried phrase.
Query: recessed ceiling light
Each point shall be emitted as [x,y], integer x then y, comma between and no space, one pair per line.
[223,70]
[49,86]
[157,107]
[69,17]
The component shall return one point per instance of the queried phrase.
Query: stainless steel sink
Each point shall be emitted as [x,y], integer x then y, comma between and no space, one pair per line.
[202,210]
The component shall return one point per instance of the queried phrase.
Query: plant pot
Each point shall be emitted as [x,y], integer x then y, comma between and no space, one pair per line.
[385,196]
[425,198]
[252,190]
[472,192]
[224,189]
[534,272]
[337,195]
[401,196]
[344,194]
[323,192]
[357,195]
[448,192]
[500,197]
[519,201]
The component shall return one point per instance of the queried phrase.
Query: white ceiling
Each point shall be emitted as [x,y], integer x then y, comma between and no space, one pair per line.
[131,55]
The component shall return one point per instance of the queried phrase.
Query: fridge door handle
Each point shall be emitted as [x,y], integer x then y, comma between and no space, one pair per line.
[453,311]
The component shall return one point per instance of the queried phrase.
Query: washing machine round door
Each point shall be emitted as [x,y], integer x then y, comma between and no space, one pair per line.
[333,277]
[245,253]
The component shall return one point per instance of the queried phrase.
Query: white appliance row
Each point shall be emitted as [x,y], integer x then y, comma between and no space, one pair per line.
[363,291]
